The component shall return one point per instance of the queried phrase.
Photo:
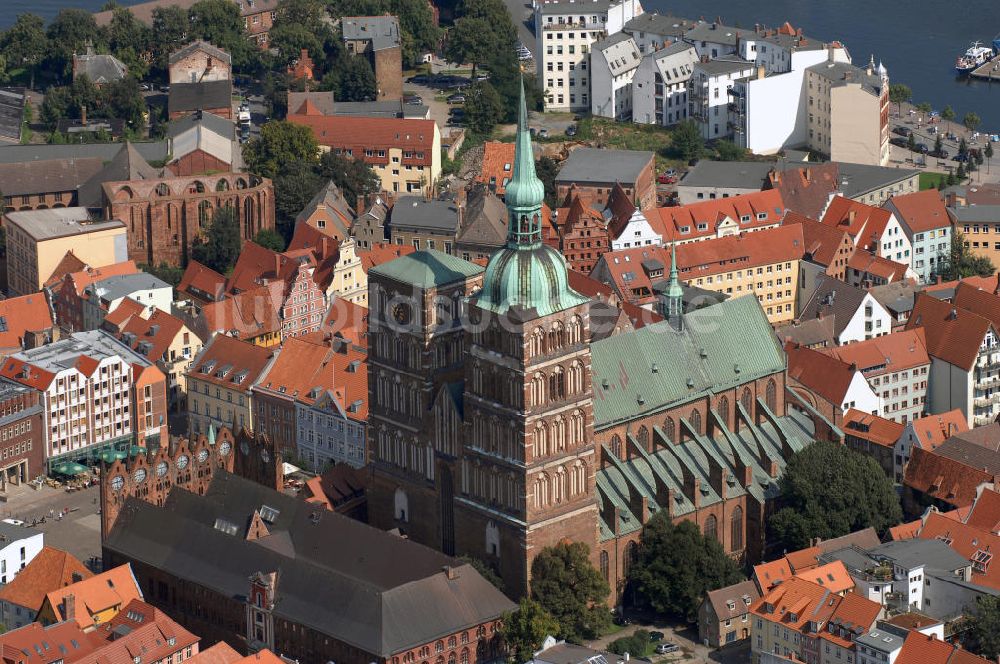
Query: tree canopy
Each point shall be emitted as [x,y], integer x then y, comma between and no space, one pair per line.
[899,94]
[280,144]
[962,262]
[827,491]
[984,627]
[686,141]
[971,121]
[676,565]
[219,247]
[483,108]
[524,630]
[567,586]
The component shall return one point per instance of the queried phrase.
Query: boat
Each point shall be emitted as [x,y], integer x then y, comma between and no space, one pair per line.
[974,57]
[996,44]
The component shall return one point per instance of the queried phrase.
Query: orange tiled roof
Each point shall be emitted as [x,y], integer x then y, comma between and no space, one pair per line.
[806,190]
[861,221]
[745,210]
[905,531]
[20,315]
[884,268]
[220,653]
[137,628]
[795,602]
[202,282]
[872,428]
[115,587]
[942,478]
[820,242]
[498,165]
[151,337]
[985,512]
[358,134]
[919,648]
[921,211]
[68,264]
[248,314]
[932,430]
[978,301]
[824,374]
[802,559]
[348,320]
[49,570]
[832,576]
[853,611]
[239,356]
[66,638]
[717,255]
[89,275]
[593,288]
[769,575]
[953,334]
[893,352]
[124,312]
[382,252]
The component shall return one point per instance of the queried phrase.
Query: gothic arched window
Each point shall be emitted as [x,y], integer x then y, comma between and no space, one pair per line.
[711,529]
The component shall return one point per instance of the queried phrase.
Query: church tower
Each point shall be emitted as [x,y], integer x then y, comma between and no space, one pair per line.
[528,458]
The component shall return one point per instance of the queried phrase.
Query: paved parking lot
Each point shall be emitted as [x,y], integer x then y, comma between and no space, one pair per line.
[686,637]
[79,532]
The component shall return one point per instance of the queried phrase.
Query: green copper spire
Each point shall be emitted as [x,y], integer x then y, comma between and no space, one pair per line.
[674,309]
[211,434]
[525,193]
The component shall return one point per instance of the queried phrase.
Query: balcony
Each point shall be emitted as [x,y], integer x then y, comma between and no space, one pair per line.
[982,421]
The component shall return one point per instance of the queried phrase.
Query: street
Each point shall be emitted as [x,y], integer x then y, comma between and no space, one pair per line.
[521,14]
[79,532]
[686,637]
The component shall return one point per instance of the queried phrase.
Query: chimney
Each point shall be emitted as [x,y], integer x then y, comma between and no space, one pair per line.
[807,174]
[69,607]
[761,73]
[450,572]
[83,114]
[831,53]
[851,215]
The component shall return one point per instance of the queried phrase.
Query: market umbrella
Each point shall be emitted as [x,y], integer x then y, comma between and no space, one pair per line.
[70,469]
[136,450]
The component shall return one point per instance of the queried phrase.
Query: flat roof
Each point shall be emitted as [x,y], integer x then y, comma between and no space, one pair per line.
[728,174]
[63,354]
[725,65]
[123,285]
[603,166]
[59,222]
[574,6]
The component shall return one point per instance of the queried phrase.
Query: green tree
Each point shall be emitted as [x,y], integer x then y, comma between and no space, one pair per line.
[899,94]
[172,27]
[948,114]
[280,145]
[483,108]
[123,99]
[307,13]
[937,144]
[952,180]
[471,40]
[971,121]
[924,107]
[484,570]
[827,491]
[524,630]
[293,189]
[69,33]
[270,239]
[677,564]
[962,262]
[130,41]
[639,644]
[24,44]
[547,169]
[686,141]
[356,80]
[219,246]
[960,173]
[220,22]
[988,153]
[911,142]
[984,627]
[354,177]
[729,151]
[168,273]
[290,38]
[568,587]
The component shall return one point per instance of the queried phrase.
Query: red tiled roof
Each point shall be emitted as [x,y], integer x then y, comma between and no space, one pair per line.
[802,559]
[498,165]
[151,337]
[338,483]
[224,350]
[905,531]
[883,268]
[861,221]
[978,301]
[220,653]
[68,264]
[853,611]
[820,242]
[920,648]
[672,220]
[806,190]
[945,479]
[89,275]
[985,512]
[149,631]
[348,320]
[872,428]
[717,255]
[889,353]
[832,576]
[20,315]
[953,334]
[362,133]
[250,314]
[932,430]
[827,376]
[769,575]
[638,316]
[203,281]
[795,602]
[124,312]
[921,211]
[115,587]
[49,570]
[382,252]
[38,644]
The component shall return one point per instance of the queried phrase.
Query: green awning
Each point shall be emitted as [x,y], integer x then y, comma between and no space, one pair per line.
[70,469]
[110,456]
[136,450]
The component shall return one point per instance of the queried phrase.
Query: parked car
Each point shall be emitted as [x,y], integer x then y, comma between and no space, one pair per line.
[666,178]
[571,130]
[940,154]
[898,141]
[961,157]
[14,522]
[145,87]
[667,648]
[456,99]
[922,148]
[419,79]
[902,131]
[543,133]
[413,99]
[164,88]
[656,636]
[456,111]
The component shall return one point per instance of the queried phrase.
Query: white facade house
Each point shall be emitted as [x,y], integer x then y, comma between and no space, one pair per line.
[709,93]
[613,64]
[637,232]
[860,396]
[868,321]
[18,547]
[927,225]
[653,31]
[102,297]
[894,244]
[713,40]
[565,31]
[660,85]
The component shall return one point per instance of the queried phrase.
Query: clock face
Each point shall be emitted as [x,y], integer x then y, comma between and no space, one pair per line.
[161,469]
[401,313]
[139,476]
[202,455]
[224,448]
[117,483]
[182,462]
[265,455]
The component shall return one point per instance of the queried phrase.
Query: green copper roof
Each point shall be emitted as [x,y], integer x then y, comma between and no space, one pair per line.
[427,269]
[645,371]
[524,191]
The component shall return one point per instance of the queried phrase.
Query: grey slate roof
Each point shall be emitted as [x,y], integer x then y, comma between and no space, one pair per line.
[99,67]
[716,33]
[200,45]
[197,96]
[965,214]
[484,223]
[123,285]
[51,175]
[662,25]
[728,174]
[210,121]
[382,31]
[835,298]
[620,52]
[420,213]
[859,179]
[573,7]
[843,73]
[373,590]
[15,154]
[674,49]
[810,333]
[719,599]
[127,164]
[11,112]
[883,638]
[930,553]
[897,297]
[727,64]
[53,223]
[592,165]
[977,451]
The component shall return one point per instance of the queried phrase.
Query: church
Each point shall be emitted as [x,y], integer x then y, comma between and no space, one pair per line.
[499,426]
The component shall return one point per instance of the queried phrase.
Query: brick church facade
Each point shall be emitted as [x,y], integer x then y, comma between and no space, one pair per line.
[514,430]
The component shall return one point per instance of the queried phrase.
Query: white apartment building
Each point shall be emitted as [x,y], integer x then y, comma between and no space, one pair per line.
[709,93]
[613,64]
[18,547]
[849,112]
[86,385]
[660,85]
[637,232]
[713,40]
[102,297]
[565,31]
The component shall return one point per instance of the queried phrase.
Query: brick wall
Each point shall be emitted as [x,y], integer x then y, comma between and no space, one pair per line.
[198,162]
[388,67]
